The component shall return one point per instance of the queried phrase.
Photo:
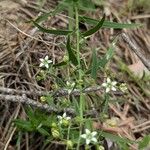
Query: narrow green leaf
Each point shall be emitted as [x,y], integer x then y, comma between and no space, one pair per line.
[94,29]
[59,81]
[63,63]
[30,113]
[144,142]
[71,55]
[108,24]
[56,32]
[24,125]
[108,56]
[63,5]
[43,17]
[101,63]
[76,106]
[94,65]
[86,5]
[43,131]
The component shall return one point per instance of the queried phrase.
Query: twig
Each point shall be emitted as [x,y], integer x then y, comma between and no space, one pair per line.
[142,125]
[136,49]
[141,129]
[24,99]
[140,16]
[28,101]
[58,93]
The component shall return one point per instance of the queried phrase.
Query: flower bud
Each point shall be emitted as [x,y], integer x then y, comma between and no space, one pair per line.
[54,125]
[42,98]
[123,87]
[100,147]
[69,144]
[80,82]
[66,58]
[65,122]
[55,133]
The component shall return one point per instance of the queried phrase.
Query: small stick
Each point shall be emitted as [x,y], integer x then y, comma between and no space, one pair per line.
[136,50]
[58,93]
[28,101]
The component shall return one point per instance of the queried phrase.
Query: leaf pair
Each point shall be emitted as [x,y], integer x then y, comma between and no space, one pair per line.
[72,56]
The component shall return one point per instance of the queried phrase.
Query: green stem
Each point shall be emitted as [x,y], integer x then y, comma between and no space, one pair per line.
[80,71]
[105,103]
[70,13]
[78,144]
[68,135]
[78,42]
[78,58]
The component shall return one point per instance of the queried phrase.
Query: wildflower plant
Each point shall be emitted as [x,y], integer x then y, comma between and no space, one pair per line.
[68,129]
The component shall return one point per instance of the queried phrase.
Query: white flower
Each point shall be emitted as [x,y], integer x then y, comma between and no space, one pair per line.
[109,85]
[63,118]
[89,136]
[70,86]
[45,62]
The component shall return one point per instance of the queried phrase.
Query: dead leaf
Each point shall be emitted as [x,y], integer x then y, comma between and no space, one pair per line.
[138,69]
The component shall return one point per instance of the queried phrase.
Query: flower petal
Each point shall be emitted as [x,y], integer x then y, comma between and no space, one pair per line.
[87,131]
[41,59]
[83,136]
[46,65]
[104,84]
[113,89]
[41,64]
[69,91]
[68,118]
[107,89]
[68,83]
[46,57]
[94,139]
[88,141]
[59,117]
[64,115]
[94,133]
[114,83]
[108,80]
[49,61]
